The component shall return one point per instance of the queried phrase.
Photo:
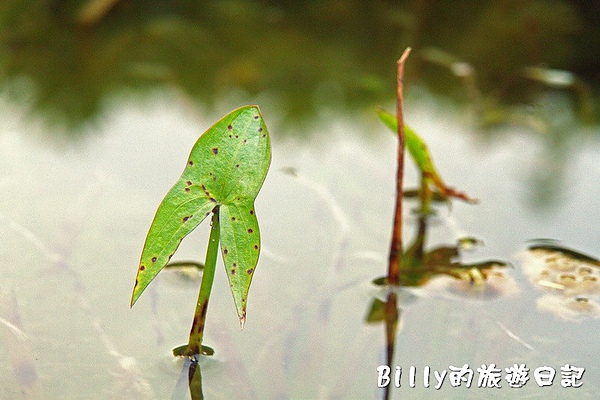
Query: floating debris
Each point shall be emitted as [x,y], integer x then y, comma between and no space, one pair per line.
[570,278]
[183,274]
[476,283]
[468,243]
[440,270]
[569,308]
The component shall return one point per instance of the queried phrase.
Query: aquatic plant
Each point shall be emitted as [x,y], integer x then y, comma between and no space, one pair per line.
[406,267]
[417,148]
[223,175]
[429,175]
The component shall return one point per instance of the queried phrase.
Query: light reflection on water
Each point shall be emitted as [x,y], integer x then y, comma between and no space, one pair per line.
[73,223]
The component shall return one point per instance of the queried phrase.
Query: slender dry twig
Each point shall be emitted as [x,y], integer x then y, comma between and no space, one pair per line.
[396,245]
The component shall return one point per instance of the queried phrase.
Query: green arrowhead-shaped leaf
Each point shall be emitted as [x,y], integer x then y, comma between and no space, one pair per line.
[415,145]
[420,154]
[226,168]
[240,246]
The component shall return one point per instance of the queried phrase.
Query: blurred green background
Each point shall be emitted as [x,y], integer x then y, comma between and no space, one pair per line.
[65,60]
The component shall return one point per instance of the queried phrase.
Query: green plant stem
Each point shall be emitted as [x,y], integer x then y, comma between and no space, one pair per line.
[393,277]
[425,195]
[197,332]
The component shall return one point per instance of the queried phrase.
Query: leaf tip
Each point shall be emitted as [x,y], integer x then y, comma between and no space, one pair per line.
[243,321]
[133,297]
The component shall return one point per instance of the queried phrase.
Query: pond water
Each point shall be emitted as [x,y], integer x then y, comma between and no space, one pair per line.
[101,102]
[74,219]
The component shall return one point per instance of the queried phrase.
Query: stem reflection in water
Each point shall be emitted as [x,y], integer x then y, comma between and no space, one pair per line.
[419,266]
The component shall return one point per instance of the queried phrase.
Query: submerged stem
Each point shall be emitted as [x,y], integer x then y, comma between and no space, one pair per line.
[197,332]
[396,245]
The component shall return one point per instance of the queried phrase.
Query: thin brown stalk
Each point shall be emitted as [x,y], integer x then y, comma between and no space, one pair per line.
[391,328]
[396,245]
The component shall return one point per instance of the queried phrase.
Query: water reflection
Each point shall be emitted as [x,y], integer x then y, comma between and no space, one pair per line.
[420,266]
[309,303]
[482,280]
[190,380]
[67,59]
[16,343]
[195,381]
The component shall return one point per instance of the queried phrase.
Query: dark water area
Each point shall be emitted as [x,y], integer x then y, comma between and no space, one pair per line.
[101,102]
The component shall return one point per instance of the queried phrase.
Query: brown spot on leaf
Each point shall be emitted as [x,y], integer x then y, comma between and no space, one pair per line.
[250,231]
[153,259]
[229,127]
[212,199]
[255,247]
[190,162]
[187,189]
[250,271]
[233,218]
[232,271]
[237,165]
[234,265]
[142,267]
[215,150]
[170,255]
[251,212]
[260,129]
[188,183]
[225,251]
[185,219]
[256,117]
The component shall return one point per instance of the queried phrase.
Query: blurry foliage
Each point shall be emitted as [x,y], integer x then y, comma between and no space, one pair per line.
[66,58]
